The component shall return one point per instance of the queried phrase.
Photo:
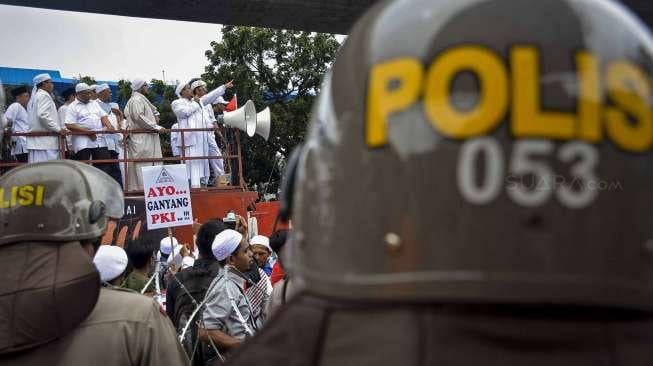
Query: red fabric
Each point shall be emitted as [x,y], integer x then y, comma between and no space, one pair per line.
[277,273]
[233,104]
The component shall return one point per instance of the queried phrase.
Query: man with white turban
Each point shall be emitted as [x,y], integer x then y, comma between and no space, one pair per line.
[208,120]
[111,262]
[86,115]
[113,141]
[228,317]
[189,115]
[141,114]
[43,117]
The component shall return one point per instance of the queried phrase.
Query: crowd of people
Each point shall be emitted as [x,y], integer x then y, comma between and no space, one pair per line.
[92,128]
[216,295]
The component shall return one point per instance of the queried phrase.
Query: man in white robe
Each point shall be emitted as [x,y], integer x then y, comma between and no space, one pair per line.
[43,117]
[141,114]
[122,125]
[113,141]
[189,115]
[16,116]
[208,120]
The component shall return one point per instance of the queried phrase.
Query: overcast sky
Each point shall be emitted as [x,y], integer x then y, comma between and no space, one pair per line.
[106,47]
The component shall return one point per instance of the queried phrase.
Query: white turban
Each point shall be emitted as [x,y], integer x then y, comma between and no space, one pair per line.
[165,246]
[197,84]
[181,87]
[38,79]
[261,240]
[110,261]
[114,105]
[101,87]
[226,243]
[220,100]
[137,84]
[80,87]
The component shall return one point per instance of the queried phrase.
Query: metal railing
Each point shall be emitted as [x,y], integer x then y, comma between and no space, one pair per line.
[4,163]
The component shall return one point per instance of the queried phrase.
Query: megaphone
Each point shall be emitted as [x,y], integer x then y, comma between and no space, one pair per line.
[243,118]
[263,123]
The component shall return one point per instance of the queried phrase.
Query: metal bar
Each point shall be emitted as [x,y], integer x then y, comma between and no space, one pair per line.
[240,161]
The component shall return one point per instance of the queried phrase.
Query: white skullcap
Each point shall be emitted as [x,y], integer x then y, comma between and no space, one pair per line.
[181,87]
[226,243]
[165,247]
[80,87]
[137,84]
[101,87]
[187,262]
[197,84]
[220,100]
[40,78]
[110,261]
[261,240]
[114,106]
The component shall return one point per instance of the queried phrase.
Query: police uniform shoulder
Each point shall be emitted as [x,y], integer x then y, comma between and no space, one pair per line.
[120,305]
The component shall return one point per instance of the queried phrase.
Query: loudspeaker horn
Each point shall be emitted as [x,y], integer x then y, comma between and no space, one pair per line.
[243,118]
[263,123]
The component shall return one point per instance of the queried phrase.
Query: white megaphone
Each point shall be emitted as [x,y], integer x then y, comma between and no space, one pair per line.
[243,118]
[263,123]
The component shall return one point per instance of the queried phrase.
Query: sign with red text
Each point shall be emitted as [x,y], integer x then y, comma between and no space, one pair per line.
[167,196]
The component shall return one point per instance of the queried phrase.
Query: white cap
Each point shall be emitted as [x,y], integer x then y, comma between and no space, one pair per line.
[165,247]
[220,100]
[101,87]
[137,83]
[181,87]
[80,87]
[41,78]
[261,240]
[187,262]
[197,84]
[110,261]
[114,106]
[225,243]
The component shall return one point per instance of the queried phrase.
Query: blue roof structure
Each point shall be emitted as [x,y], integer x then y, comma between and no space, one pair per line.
[17,76]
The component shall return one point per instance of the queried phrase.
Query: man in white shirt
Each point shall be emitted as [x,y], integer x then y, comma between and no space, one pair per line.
[43,117]
[209,120]
[16,116]
[189,115]
[85,115]
[68,96]
[122,123]
[113,141]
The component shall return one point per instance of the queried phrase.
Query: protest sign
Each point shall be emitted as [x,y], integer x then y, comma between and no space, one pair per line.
[167,196]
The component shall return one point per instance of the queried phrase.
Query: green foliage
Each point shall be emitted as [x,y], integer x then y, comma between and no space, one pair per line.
[86,79]
[278,64]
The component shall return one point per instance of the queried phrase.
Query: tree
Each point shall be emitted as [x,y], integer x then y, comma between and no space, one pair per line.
[276,68]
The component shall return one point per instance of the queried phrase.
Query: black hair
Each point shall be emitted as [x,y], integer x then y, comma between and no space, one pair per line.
[18,91]
[206,234]
[278,239]
[140,250]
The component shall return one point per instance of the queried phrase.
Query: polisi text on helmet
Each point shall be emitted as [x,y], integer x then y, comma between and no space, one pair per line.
[625,116]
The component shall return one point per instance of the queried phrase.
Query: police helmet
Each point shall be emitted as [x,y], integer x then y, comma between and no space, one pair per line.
[59,200]
[474,151]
